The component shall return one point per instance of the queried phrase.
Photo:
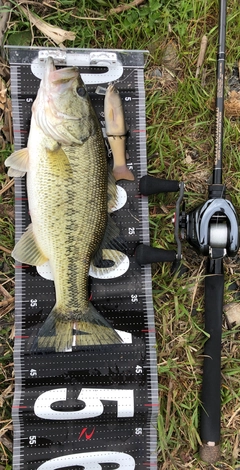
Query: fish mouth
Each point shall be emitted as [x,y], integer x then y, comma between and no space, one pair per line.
[63,75]
[55,83]
[60,79]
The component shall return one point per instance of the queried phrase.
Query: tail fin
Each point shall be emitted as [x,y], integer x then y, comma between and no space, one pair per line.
[90,329]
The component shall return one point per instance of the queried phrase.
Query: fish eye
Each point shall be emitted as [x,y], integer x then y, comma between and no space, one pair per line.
[81,91]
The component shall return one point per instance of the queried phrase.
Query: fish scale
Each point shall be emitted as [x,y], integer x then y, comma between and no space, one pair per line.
[76,232]
[126,302]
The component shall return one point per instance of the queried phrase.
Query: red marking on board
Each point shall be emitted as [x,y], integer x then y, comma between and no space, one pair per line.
[139,130]
[22,266]
[21,131]
[150,404]
[19,406]
[84,432]
[21,198]
[149,331]
[22,337]
[149,464]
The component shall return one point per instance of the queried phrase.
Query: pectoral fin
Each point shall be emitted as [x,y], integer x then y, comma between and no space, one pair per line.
[18,162]
[27,250]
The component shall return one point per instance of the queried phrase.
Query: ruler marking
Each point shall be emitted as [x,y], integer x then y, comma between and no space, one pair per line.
[20,134]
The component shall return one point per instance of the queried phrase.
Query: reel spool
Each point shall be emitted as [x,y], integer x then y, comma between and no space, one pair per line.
[218,235]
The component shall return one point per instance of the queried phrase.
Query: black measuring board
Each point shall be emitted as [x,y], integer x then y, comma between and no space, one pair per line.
[91,407]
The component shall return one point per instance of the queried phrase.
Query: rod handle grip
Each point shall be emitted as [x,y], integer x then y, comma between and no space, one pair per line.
[151,185]
[210,415]
[147,254]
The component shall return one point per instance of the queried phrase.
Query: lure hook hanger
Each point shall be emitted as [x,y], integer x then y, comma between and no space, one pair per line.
[212,229]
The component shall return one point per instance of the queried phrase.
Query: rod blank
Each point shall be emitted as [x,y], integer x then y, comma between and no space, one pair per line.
[218,142]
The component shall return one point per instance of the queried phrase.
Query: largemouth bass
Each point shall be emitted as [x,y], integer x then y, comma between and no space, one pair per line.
[116,131]
[67,186]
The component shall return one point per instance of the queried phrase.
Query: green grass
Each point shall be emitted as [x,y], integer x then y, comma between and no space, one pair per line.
[180,122]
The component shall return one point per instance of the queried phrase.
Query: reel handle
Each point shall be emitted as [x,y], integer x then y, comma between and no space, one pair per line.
[151,185]
[145,254]
[210,420]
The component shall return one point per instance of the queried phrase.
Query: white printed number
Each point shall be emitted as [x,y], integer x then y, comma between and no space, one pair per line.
[92,399]
[91,461]
[32,440]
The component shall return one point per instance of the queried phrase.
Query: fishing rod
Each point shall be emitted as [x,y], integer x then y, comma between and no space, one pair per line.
[212,229]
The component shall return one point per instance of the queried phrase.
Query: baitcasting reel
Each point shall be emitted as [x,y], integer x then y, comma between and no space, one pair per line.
[211,228]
